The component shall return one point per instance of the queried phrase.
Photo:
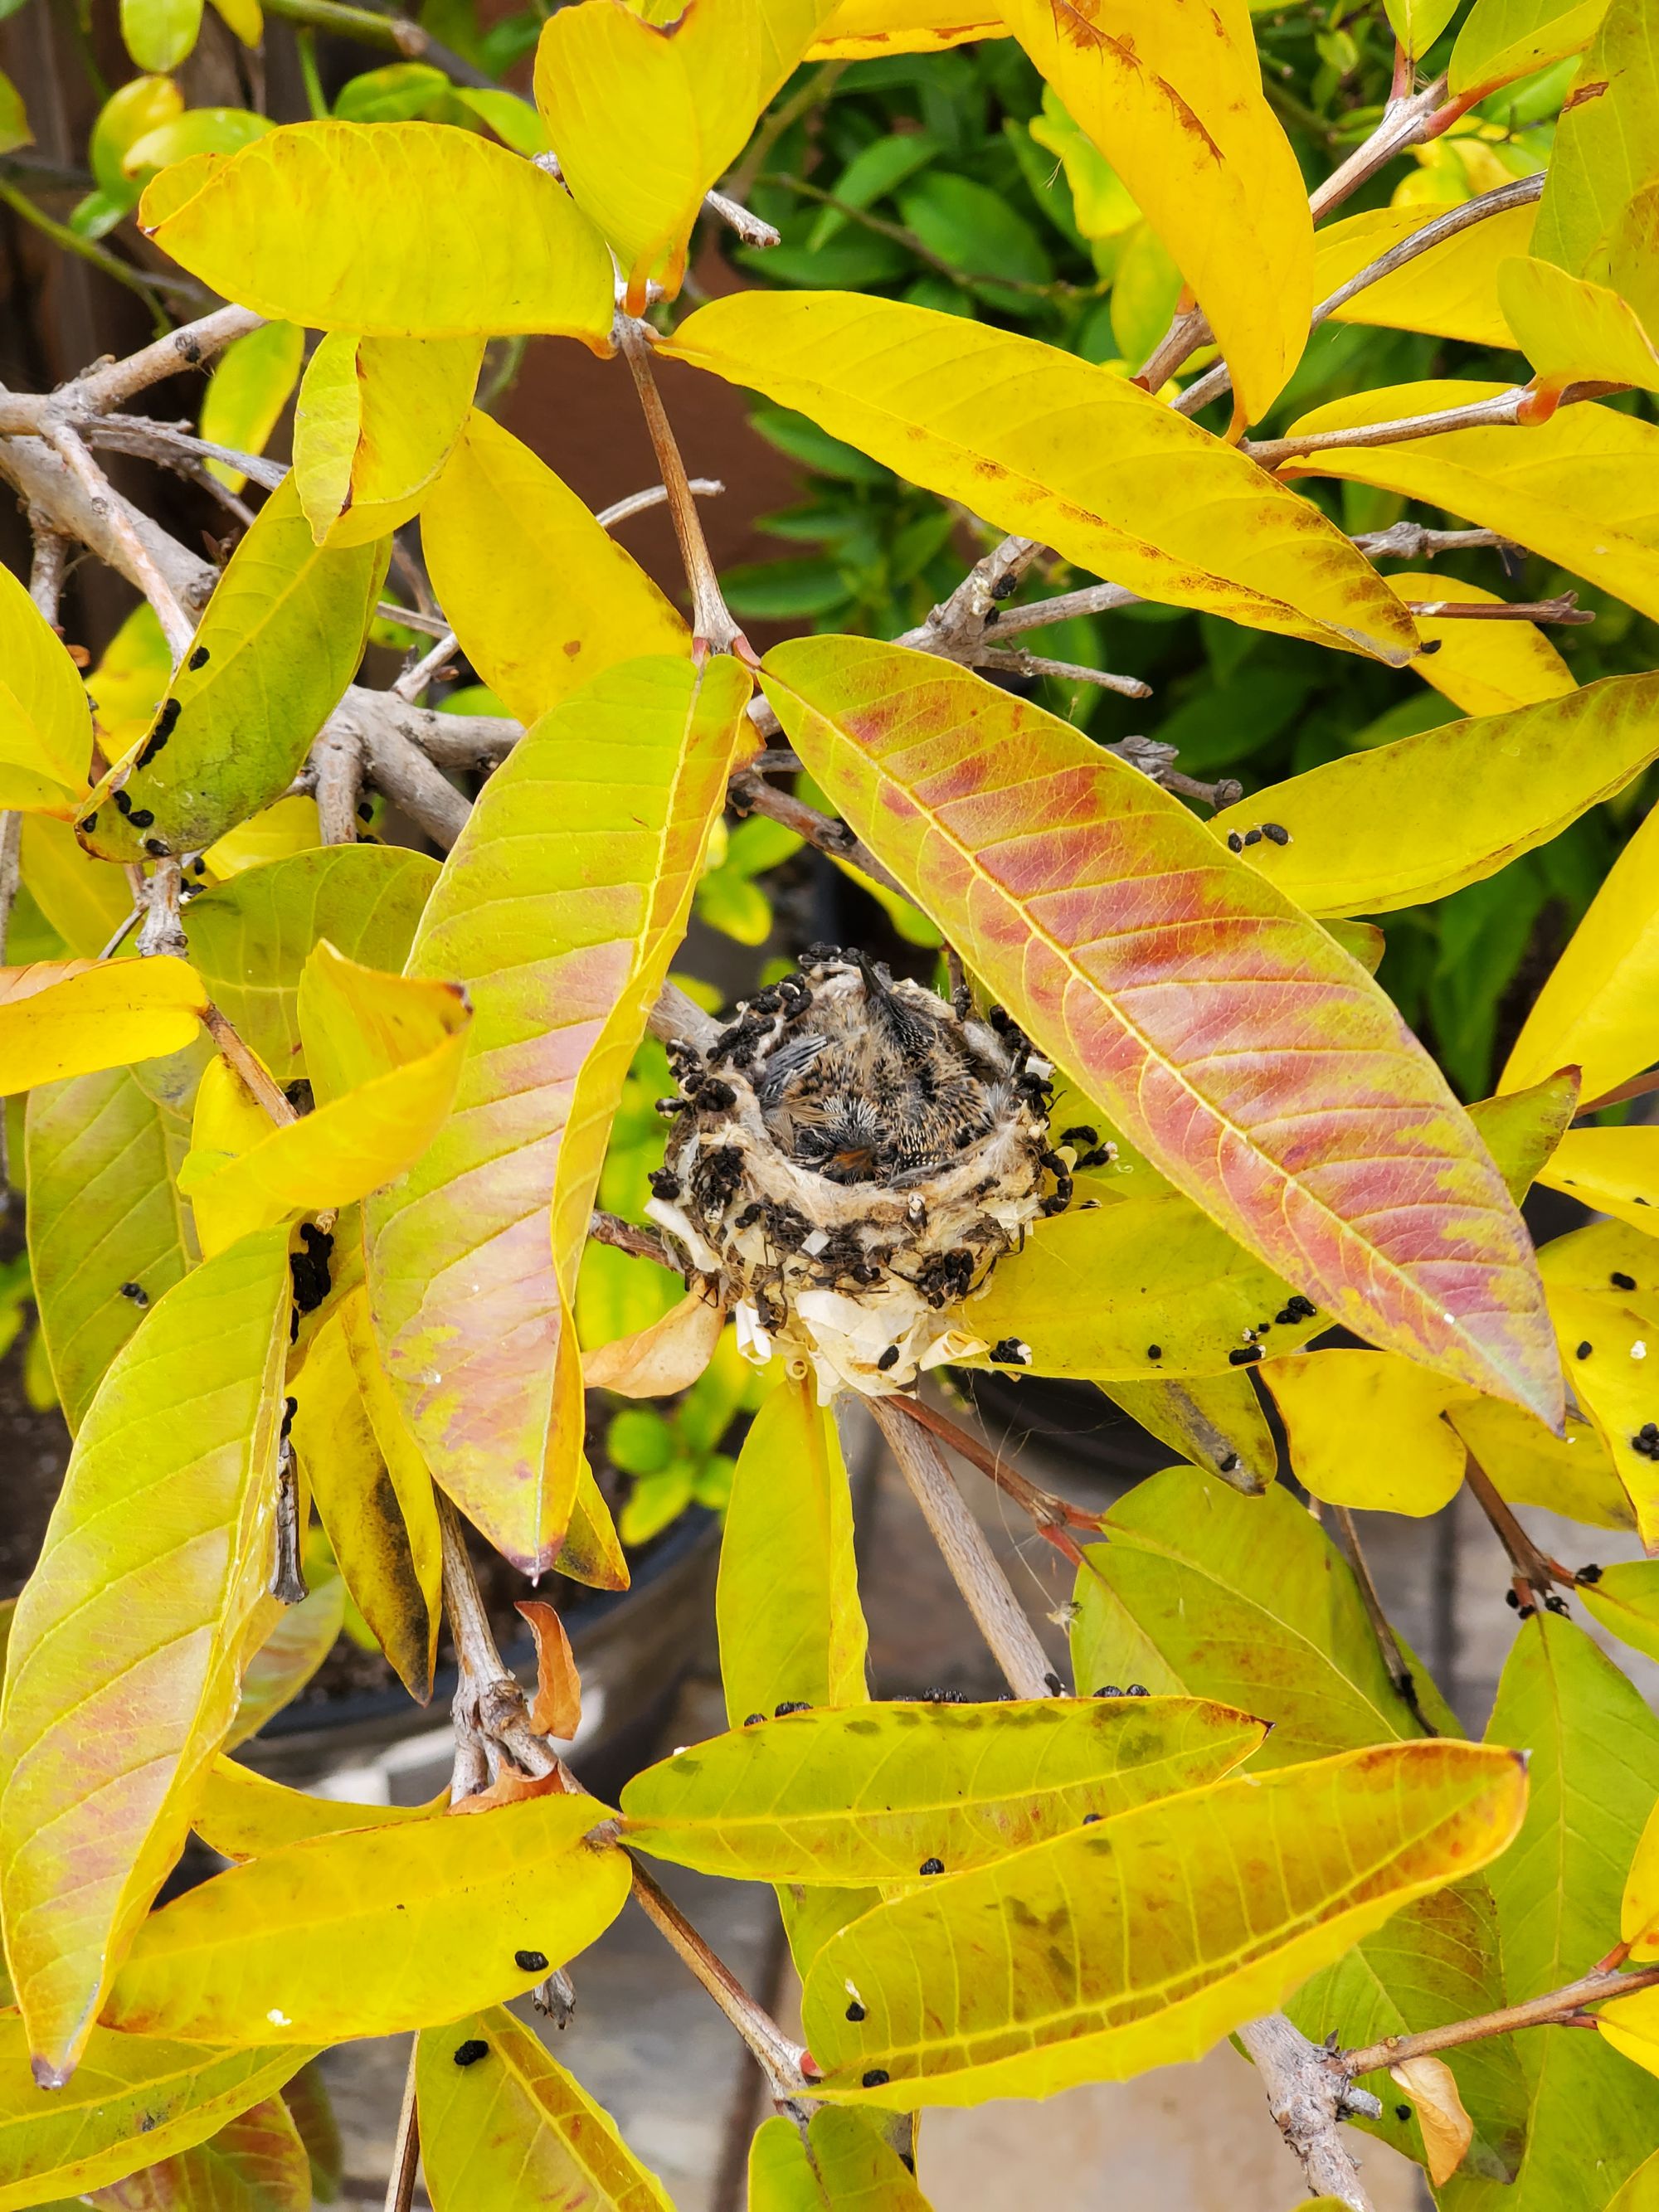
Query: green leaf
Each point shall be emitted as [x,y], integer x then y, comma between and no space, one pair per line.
[1605,144]
[1503,40]
[159,34]
[1435,1962]
[1418,23]
[1592,2115]
[1625,1599]
[559,910]
[372,1931]
[1098,1295]
[127,1649]
[1215,1421]
[1137,1943]
[133,2098]
[102,1153]
[250,938]
[1245,1600]
[279,642]
[872,1793]
[397,93]
[873,171]
[512,2127]
[198,130]
[1522,1129]
[470,238]
[14,119]
[974,230]
[842,2162]
[791,1627]
[375,421]
[45,728]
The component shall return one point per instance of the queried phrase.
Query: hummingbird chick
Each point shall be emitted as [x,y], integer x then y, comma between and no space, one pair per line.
[877,1083]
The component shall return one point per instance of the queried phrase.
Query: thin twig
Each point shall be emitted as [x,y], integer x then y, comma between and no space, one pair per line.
[287,1580]
[1553,2010]
[1563,610]
[1415,541]
[414,679]
[783,2062]
[1387,1642]
[711,619]
[1051,1516]
[48,566]
[192,346]
[1017,662]
[1503,410]
[626,1237]
[176,625]
[751,793]
[336,758]
[412,618]
[232,1050]
[1637,1087]
[750,227]
[636,503]
[973,1565]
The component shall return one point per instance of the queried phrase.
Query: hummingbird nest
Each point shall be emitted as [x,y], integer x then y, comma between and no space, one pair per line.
[848,1161]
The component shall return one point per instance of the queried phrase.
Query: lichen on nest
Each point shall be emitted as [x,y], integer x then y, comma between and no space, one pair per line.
[849,1159]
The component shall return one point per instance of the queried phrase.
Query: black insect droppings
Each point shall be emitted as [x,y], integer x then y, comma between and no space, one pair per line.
[157,848]
[855,2011]
[1137,1690]
[1230,1465]
[1553,1603]
[140,818]
[790,1705]
[290,1407]
[136,1292]
[1081,1135]
[1009,1352]
[665,1183]
[365,811]
[1591,1574]
[1277,832]
[1244,1355]
[876,2077]
[1402,2111]
[124,805]
[90,821]
[1154,1352]
[1510,1598]
[199,658]
[312,1280]
[1110,1690]
[1089,1820]
[1055,1687]
[888,1358]
[530,1962]
[1622,1282]
[749,1719]
[470,2052]
[1252,836]
[1584,1350]
[1235,842]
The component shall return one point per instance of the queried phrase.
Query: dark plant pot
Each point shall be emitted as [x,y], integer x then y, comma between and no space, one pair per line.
[632,1647]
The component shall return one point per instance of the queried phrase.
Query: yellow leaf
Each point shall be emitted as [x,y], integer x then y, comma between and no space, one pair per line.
[1427,814]
[127,1647]
[133,2096]
[258,2158]
[373,1931]
[646,117]
[227,1120]
[1365,1429]
[85,900]
[130,680]
[1612,1172]
[275,833]
[786,1604]
[1599,1008]
[1639,1923]
[513,2129]
[1502,39]
[159,34]
[1450,291]
[1484,667]
[469,239]
[856,30]
[1448,2130]
[1571,1475]
[361,1507]
[1137,1943]
[1038,441]
[540,598]
[73,1017]
[560,909]
[1171,92]
[374,425]
[1215,1421]
[242,1814]
[1571,329]
[872,1793]
[249,388]
[667,1356]
[45,732]
[1630,2026]
[1572,489]
[383,1053]
[1616,1382]
[245,17]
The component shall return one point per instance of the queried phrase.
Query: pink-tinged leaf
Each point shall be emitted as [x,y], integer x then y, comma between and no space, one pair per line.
[559,910]
[1254,1062]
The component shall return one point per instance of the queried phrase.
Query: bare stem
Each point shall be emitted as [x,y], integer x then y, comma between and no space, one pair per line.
[400,2187]
[1535,1573]
[628,1236]
[1564,608]
[176,625]
[711,619]
[1556,2010]
[1308,2093]
[1016,662]
[1387,1642]
[638,503]
[1505,409]
[288,1581]
[973,1565]
[192,346]
[779,2059]
[750,793]
[337,760]
[415,678]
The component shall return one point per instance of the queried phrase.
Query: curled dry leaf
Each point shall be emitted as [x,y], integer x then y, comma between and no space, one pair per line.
[557,1707]
[667,1357]
[1446,2129]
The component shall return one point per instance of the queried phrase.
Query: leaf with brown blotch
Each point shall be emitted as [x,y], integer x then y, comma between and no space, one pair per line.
[1256,1066]
[556,1709]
